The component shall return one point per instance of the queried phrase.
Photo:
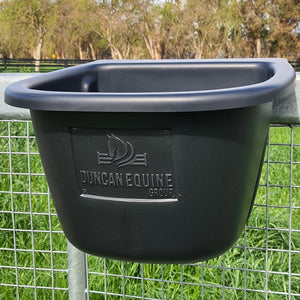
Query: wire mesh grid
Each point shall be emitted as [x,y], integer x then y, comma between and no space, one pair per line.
[33,252]
[263,264]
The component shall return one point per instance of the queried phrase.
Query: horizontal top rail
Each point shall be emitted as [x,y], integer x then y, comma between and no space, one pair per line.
[286,111]
[27,65]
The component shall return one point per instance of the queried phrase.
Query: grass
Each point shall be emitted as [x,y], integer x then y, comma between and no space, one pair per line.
[39,263]
[16,66]
[30,69]
[28,66]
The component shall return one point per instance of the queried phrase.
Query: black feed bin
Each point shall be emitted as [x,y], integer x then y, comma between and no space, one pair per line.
[154,161]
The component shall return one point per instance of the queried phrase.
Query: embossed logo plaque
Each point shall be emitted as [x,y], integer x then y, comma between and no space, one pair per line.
[124,165]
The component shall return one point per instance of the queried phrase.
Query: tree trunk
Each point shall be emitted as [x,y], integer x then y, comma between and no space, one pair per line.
[38,55]
[126,54]
[149,46]
[158,51]
[80,52]
[258,47]
[200,47]
[115,53]
[92,51]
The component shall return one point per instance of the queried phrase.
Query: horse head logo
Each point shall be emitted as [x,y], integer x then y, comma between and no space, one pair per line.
[121,154]
[119,150]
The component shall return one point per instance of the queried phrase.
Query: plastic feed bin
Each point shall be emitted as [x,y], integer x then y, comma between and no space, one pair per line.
[154,161]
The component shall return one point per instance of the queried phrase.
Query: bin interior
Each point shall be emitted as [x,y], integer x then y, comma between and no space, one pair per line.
[162,78]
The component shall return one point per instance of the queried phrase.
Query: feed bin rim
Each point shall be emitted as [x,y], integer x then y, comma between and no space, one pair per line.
[27,94]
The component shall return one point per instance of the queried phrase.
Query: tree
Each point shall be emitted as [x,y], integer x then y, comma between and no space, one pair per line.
[118,26]
[121,29]
[200,17]
[61,35]
[74,28]
[150,22]
[229,24]
[13,33]
[284,23]
[38,18]
[255,25]
[159,26]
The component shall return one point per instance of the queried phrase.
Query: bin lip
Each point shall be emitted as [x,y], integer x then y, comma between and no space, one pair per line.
[22,94]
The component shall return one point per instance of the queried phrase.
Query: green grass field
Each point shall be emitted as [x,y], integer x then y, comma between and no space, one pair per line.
[33,257]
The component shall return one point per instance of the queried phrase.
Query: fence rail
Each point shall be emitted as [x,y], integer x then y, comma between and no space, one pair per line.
[46,65]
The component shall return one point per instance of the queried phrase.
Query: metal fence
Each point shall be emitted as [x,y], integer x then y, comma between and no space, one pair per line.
[43,65]
[46,65]
[36,261]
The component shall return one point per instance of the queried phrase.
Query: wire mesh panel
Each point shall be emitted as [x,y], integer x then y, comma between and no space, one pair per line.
[263,264]
[33,256]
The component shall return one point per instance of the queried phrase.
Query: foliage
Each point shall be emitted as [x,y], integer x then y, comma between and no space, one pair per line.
[120,29]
